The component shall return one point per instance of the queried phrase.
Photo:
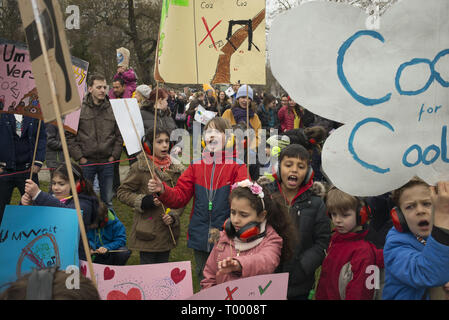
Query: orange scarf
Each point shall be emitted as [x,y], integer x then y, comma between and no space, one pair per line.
[162,164]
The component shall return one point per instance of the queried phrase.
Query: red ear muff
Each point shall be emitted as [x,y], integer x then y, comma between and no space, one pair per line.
[363,215]
[104,222]
[398,219]
[247,233]
[228,228]
[146,148]
[80,186]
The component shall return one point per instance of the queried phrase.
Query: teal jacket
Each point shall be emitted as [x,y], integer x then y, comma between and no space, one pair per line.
[111,236]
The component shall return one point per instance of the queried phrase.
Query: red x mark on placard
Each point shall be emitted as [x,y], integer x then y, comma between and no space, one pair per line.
[229,292]
[209,32]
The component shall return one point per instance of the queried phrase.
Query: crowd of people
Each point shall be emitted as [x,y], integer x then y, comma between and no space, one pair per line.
[247,219]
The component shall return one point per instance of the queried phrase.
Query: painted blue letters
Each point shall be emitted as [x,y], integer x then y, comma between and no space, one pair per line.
[422,156]
[351,143]
[341,75]
[434,75]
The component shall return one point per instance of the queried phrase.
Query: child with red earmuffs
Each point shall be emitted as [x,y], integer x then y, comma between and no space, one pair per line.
[255,238]
[350,258]
[294,186]
[416,251]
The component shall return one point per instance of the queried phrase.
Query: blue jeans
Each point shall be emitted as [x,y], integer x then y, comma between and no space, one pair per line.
[105,179]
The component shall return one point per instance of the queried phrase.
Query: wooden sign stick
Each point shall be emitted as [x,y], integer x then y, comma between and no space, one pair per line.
[35,148]
[247,132]
[63,140]
[154,142]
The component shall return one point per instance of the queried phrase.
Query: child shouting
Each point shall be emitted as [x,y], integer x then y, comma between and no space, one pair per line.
[349,256]
[416,251]
[293,182]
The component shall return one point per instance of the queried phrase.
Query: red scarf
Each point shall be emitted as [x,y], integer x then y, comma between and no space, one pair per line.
[162,164]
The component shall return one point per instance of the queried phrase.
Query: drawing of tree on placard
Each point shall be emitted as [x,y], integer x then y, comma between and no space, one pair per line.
[223,70]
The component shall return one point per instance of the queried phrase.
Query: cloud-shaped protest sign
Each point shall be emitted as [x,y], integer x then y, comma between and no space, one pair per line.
[389,86]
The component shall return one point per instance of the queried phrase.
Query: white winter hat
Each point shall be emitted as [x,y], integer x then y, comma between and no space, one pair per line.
[144,90]
[242,92]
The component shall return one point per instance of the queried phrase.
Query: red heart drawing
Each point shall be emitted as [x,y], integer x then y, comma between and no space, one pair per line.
[108,274]
[84,270]
[133,294]
[177,275]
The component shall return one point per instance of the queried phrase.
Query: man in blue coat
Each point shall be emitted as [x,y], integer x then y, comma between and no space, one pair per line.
[17,140]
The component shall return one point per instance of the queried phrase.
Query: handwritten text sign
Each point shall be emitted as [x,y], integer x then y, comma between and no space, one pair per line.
[162,281]
[389,86]
[36,237]
[19,93]
[220,41]
[263,287]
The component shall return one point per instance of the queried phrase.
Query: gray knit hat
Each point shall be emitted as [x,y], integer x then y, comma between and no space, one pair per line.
[144,90]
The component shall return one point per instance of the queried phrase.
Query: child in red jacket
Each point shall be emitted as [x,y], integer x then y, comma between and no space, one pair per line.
[350,259]
[208,180]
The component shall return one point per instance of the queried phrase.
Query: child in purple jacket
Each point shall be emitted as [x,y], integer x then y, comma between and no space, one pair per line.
[125,72]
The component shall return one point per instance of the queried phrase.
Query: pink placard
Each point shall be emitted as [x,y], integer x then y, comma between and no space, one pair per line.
[263,287]
[162,281]
[18,92]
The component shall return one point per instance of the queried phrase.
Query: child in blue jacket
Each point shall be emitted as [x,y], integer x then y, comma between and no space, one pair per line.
[416,254]
[94,211]
[107,241]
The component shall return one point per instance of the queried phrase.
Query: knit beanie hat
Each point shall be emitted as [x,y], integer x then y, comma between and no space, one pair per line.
[144,90]
[242,92]
[123,57]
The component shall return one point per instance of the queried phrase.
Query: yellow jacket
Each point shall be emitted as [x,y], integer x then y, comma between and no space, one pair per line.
[254,121]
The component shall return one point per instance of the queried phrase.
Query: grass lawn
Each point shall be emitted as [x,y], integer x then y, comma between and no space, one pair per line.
[125,214]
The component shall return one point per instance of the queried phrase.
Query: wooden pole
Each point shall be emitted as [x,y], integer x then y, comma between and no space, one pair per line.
[155,116]
[247,133]
[35,148]
[63,141]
